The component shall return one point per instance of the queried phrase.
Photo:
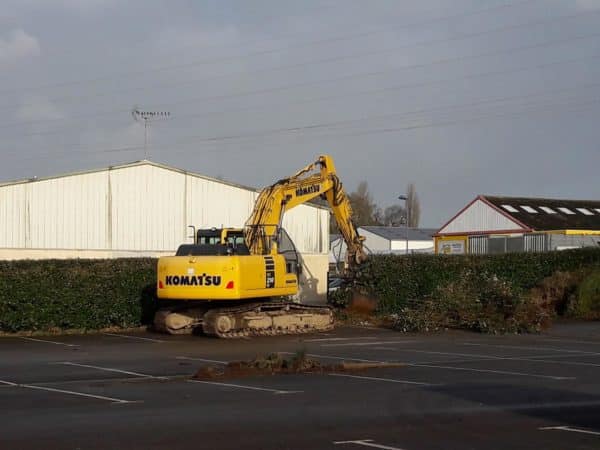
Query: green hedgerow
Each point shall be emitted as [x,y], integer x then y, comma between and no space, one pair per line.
[76,294]
[489,293]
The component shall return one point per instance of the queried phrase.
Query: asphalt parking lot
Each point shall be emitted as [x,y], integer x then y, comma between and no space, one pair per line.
[455,391]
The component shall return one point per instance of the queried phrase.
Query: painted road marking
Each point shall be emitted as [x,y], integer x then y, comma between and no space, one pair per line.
[501,372]
[435,366]
[110,369]
[187,358]
[549,361]
[389,380]
[340,339]
[80,394]
[132,337]
[572,355]
[48,342]
[574,430]
[240,386]
[550,349]
[362,344]
[367,443]
[571,340]
[63,391]
[535,358]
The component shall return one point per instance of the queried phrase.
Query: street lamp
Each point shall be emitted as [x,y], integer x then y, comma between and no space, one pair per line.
[405,198]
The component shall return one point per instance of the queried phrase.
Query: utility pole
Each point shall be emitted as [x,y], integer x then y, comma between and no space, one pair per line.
[147,117]
[405,198]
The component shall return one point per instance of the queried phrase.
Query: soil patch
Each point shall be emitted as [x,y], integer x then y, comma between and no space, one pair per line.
[275,363]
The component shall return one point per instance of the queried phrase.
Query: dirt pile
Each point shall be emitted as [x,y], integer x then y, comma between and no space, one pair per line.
[275,363]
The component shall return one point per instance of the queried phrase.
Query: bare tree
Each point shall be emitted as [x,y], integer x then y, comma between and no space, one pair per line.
[394,215]
[364,209]
[413,206]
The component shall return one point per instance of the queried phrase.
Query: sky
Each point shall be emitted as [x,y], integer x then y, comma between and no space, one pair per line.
[459,97]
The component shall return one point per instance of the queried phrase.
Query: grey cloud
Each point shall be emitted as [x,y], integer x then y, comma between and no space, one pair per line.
[397,95]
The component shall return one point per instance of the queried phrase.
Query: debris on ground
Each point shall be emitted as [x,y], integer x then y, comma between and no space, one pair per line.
[275,363]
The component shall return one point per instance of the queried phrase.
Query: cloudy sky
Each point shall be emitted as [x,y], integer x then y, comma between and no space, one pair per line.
[461,97]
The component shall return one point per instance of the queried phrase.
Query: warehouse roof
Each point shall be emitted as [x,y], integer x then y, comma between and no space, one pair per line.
[544,214]
[400,233]
[142,163]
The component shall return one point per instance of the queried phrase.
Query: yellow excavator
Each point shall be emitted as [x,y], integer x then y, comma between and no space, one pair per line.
[240,282]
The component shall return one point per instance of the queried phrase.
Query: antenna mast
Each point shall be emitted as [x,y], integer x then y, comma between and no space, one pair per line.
[147,117]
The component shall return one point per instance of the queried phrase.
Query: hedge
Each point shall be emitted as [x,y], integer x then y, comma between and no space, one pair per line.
[492,293]
[76,294]
[93,294]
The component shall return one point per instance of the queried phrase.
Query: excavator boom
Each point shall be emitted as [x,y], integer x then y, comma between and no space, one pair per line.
[300,188]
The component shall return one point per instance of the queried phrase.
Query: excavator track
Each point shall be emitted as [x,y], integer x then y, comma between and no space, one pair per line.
[254,319]
[267,319]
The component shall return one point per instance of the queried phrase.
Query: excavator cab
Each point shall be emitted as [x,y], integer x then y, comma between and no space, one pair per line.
[215,242]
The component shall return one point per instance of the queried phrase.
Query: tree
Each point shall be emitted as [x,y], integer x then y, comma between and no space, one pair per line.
[394,216]
[413,206]
[364,209]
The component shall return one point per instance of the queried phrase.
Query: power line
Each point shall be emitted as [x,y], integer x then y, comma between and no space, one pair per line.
[346,95]
[546,109]
[283,88]
[309,44]
[298,45]
[325,125]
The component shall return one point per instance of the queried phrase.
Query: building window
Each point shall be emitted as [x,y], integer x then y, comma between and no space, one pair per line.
[529,209]
[585,211]
[547,210]
[566,210]
[510,208]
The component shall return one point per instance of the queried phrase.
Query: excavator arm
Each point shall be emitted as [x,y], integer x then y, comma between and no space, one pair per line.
[285,194]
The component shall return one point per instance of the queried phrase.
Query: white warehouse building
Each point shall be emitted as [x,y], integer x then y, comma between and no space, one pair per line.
[142,209]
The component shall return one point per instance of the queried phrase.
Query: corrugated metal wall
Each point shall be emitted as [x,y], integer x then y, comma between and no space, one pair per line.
[536,242]
[140,207]
[478,245]
[479,217]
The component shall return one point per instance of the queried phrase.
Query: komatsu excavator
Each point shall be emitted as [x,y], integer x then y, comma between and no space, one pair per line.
[241,282]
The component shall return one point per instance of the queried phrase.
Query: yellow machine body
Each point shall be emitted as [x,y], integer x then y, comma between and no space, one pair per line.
[233,277]
[257,262]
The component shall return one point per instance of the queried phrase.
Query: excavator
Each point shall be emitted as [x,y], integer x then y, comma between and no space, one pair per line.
[234,282]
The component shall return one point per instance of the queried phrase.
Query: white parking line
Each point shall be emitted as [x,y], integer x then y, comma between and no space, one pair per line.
[363,344]
[62,391]
[79,394]
[535,358]
[188,358]
[48,342]
[574,430]
[574,341]
[110,369]
[436,366]
[132,337]
[240,386]
[501,372]
[389,380]
[340,339]
[550,349]
[367,443]
[572,355]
